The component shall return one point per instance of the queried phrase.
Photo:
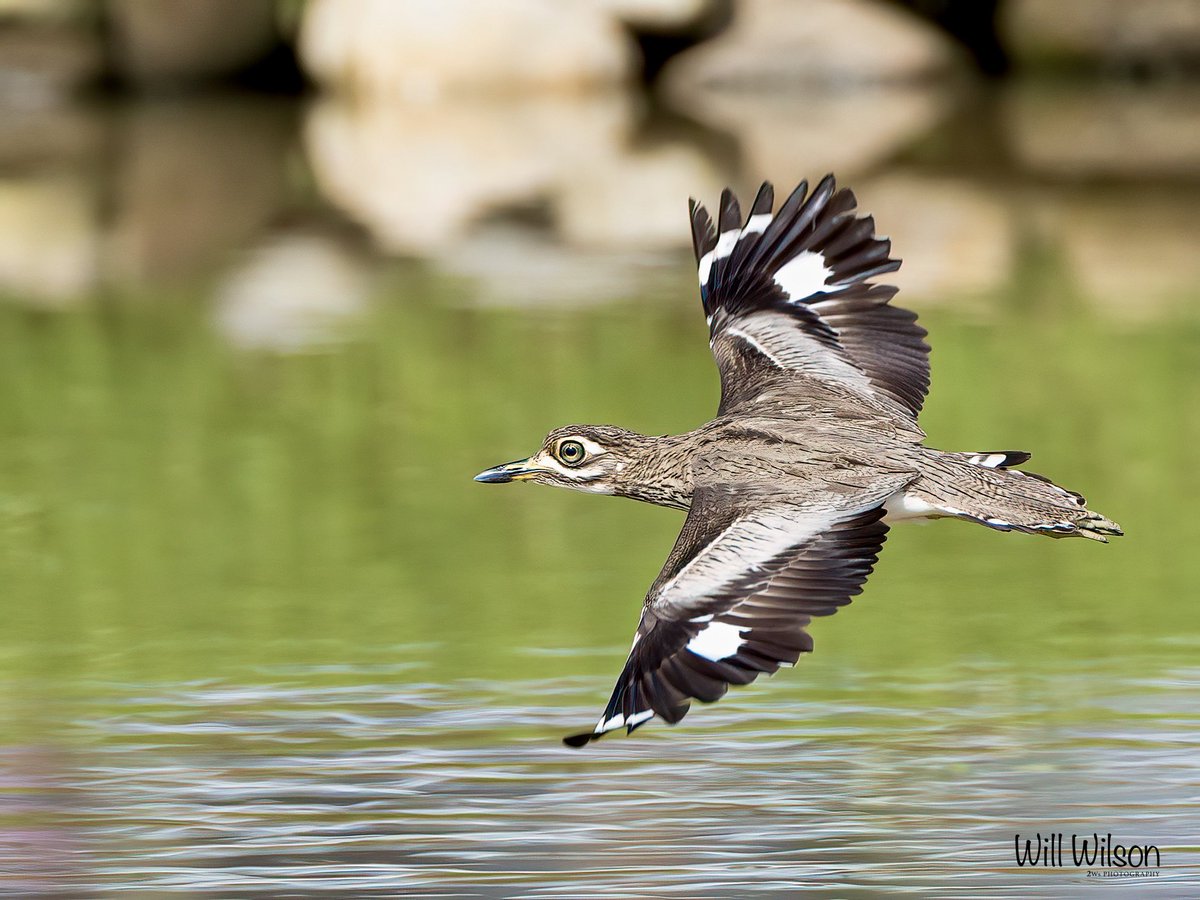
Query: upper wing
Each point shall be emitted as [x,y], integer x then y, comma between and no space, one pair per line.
[791,291]
[733,600]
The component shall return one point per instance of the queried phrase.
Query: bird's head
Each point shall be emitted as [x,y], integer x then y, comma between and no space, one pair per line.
[584,457]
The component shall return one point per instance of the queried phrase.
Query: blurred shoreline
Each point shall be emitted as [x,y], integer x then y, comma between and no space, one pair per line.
[551,201]
[541,176]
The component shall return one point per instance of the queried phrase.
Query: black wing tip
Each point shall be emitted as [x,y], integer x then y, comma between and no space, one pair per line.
[799,192]
[584,738]
[704,237]
[730,218]
[576,741]
[728,207]
[764,200]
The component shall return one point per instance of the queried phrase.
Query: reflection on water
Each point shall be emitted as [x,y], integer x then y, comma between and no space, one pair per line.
[374,785]
[582,196]
[264,635]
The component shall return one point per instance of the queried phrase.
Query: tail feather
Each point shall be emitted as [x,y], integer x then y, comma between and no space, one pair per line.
[981,488]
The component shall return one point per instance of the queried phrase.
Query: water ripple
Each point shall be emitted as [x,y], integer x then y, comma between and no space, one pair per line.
[295,787]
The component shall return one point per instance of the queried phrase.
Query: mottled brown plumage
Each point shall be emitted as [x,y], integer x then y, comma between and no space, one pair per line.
[814,451]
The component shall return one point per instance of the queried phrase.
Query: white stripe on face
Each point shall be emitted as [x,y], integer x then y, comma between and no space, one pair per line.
[592,448]
[581,478]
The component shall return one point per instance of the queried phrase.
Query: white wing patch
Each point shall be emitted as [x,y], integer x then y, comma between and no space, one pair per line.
[725,244]
[727,240]
[903,506]
[717,641]
[756,224]
[620,721]
[804,275]
[988,460]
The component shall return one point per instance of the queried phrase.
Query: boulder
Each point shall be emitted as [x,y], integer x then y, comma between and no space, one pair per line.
[299,289]
[521,266]
[1138,131]
[41,10]
[786,135]
[195,181]
[677,17]
[957,238]
[420,49]
[50,245]
[42,61]
[58,136]
[417,175]
[170,41]
[1151,34]
[780,43]
[635,198]
[1130,249]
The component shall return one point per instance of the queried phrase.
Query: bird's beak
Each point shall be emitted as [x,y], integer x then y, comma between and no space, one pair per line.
[513,471]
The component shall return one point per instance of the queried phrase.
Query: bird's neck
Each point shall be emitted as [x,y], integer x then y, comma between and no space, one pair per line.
[660,473]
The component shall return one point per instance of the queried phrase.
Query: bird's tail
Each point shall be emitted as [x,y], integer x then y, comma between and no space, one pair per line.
[982,487]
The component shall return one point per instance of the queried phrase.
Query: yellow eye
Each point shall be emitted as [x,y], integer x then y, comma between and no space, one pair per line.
[571,453]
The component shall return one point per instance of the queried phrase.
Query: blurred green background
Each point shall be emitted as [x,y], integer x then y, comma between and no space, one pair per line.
[277,279]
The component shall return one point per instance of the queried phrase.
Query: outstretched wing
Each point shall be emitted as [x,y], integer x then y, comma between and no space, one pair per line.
[734,600]
[792,291]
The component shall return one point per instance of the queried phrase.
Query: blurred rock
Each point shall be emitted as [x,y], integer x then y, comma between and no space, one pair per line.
[43,10]
[171,41]
[60,136]
[50,246]
[956,238]
[194,181]
[1130,249]
[297,291]
[635,199]
[780,43]
[785,136]
[40,62]
[515,266]
[417,175]
[1137,131]
[683,17]
[421,49]
[1148,33]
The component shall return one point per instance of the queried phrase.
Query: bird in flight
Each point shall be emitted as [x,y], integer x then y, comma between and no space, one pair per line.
[815,450]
